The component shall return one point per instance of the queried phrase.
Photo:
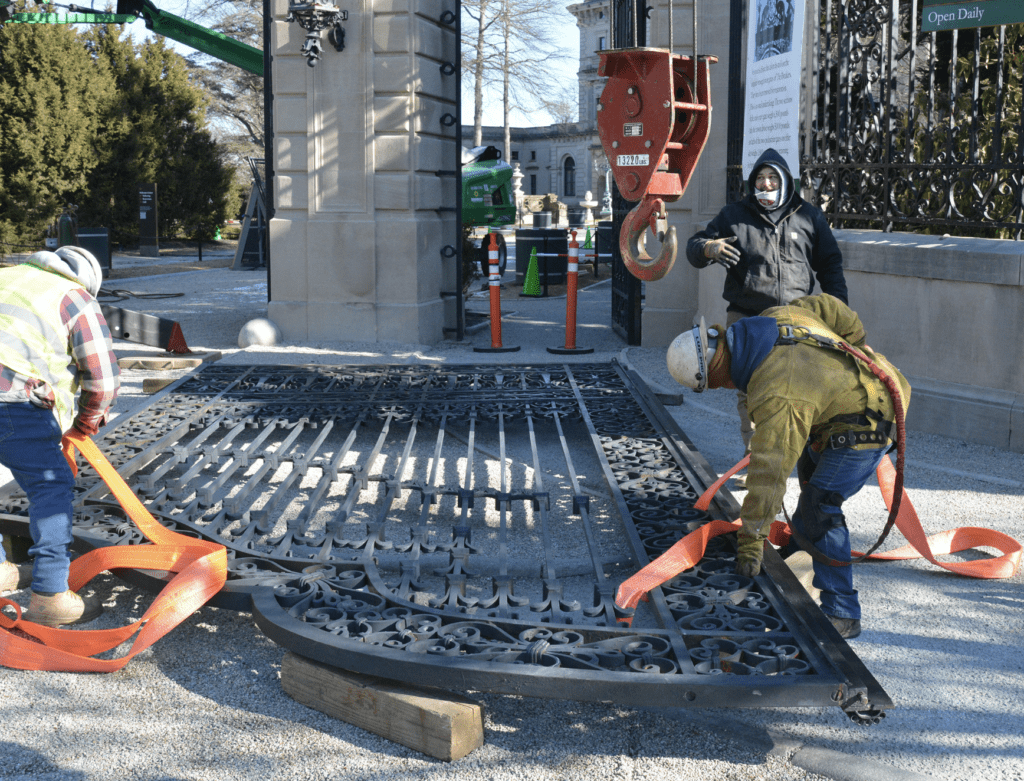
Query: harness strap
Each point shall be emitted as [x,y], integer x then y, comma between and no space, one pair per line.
[823,337]
[200,569]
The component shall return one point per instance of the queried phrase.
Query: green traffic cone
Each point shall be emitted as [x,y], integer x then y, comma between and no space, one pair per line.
[587,244]
[531,282]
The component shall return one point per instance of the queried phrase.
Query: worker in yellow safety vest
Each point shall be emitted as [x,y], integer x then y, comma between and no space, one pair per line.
[54,342]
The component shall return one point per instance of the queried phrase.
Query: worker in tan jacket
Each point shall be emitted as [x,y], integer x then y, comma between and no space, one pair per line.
[810,404]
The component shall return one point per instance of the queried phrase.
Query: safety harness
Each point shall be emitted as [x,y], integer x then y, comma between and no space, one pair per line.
[815,335]
[689,550]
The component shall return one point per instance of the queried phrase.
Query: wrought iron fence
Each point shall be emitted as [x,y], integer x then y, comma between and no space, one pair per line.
[905,130]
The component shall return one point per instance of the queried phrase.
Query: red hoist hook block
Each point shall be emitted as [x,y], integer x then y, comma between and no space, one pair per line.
[653,119]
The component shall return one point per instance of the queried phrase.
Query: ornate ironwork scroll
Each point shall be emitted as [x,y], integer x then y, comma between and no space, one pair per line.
[467,527]
[914,129]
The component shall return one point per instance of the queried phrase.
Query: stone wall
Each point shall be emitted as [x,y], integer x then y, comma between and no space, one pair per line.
[950,314]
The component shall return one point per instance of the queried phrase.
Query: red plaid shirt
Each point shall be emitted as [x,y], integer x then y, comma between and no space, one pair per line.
[91,359]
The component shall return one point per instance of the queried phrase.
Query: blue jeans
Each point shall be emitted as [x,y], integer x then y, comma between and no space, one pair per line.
[842,471]
[30,447]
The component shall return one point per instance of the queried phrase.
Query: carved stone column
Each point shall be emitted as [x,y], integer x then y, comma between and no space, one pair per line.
[362,217]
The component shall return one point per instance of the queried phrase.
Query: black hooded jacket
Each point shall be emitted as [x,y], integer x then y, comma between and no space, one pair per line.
[779,250]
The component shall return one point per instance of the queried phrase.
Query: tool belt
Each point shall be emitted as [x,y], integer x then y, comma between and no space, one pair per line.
[879,434]
[854,438]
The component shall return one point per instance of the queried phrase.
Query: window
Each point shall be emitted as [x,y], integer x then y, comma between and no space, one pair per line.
[600,43]
[515,154]
[533,154]
[533,184]
[569,177]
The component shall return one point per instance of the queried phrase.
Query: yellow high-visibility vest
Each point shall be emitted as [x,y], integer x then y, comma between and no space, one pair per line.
[33,338]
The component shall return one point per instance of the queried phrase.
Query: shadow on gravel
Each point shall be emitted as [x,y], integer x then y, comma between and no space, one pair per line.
[223,658]
[23,762]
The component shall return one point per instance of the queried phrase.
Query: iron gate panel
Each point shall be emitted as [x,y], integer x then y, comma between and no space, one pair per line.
[467,527]
[904,130]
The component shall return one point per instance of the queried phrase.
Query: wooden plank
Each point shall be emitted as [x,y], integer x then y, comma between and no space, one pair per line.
[154,384]
[802,566]
[441,724]
[157,362]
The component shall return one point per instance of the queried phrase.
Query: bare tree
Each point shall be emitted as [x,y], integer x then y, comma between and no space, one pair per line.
[563,105]
[478,57]
[530,49]
[236,96]
[512,44]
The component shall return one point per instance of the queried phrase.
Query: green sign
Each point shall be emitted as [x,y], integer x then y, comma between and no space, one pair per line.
[944,15]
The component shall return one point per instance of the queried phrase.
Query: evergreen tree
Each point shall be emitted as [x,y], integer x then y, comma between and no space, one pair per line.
[156,132]
[121,166]
[53,98]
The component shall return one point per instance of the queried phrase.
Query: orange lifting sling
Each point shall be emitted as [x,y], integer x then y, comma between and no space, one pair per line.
[200,569]
[690,549]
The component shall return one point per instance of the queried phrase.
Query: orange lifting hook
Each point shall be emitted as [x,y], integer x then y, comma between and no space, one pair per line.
[654,117]
[650,212]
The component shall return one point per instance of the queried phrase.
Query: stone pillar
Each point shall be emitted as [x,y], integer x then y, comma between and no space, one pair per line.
[358,232]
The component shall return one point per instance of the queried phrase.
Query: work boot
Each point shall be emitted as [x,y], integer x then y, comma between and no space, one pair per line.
[62,609]
[847,627]
[10,577]
[14,577]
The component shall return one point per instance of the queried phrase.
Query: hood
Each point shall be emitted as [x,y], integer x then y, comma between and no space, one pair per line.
[74,263]
[750,340]
[778,162]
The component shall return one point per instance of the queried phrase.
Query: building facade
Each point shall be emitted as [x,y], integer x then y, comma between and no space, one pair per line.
[566,159]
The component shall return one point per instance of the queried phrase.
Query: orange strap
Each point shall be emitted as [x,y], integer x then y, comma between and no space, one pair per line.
[690,549]
[200,567]
[950,541]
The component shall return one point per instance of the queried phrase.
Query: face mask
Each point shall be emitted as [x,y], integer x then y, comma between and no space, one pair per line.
[768,199]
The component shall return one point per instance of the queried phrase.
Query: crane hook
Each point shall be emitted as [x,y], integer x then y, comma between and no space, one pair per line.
[648,213]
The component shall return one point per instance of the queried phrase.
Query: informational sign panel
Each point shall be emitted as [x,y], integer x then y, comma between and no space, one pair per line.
[944,15]
[149,243]
[775,34]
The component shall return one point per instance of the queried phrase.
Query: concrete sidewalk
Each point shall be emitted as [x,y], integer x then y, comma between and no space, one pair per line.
[206,703]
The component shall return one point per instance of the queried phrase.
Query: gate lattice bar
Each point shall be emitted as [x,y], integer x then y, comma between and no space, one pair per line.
[467,527]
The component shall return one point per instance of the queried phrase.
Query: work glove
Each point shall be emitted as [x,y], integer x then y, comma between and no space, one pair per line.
[749,554]
[722,251]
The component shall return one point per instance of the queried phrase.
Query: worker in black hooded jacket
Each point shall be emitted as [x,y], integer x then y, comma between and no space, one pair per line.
[773,245]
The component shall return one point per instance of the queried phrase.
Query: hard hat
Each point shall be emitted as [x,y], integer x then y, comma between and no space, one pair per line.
[83,265]
[688,357]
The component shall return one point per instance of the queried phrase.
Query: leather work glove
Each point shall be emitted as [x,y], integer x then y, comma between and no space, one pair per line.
[749,554]
[722,251]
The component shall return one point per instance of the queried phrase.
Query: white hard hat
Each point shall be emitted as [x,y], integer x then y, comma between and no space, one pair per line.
[688,357]
[83,264]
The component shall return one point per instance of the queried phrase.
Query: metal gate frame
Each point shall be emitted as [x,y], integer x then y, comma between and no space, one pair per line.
[361,537]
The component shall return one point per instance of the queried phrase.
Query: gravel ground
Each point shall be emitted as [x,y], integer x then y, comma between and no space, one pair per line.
[206,703]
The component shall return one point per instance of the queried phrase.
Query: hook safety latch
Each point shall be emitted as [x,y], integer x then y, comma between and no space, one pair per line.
[649,213]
